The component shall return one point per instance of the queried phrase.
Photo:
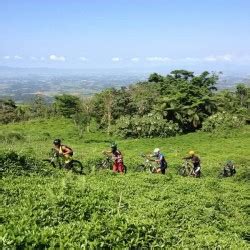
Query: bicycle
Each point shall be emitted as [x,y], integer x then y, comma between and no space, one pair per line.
[107,164]
[186,169]
[57,161]
[147,166]
[227,172]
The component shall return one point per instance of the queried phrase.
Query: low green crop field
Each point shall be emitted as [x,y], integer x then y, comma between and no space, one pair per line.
[53,208]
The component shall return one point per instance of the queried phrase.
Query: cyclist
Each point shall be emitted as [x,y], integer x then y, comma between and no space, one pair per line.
[196,163]
[160,159]
[229,169]
[63,150]
[117,158]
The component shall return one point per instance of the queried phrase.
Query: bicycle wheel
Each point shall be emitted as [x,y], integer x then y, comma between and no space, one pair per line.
[104,165]
[76,167]
[182,171]
[49,162]
[125,169]
[140,168]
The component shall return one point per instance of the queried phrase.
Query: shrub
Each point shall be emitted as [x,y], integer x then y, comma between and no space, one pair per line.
[145,126]
[12,163]
[12,136]
[222,121]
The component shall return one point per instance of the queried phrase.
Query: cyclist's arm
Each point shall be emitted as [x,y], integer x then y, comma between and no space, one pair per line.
[150,158]
[187,158]
[159,160]
[66,150]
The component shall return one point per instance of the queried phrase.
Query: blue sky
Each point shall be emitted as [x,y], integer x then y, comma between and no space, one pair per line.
[125,33]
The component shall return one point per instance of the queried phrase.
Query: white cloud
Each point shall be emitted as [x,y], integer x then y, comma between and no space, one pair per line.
[6,57]
[18,58]
[33,58]
[226,58]
[191,59]
[219,58]
[210,58]
[135,59]
[158,59]
[116,59]
[57,58]
[84,59]
[42,58]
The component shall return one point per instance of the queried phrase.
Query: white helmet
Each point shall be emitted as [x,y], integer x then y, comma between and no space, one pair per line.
[156,151]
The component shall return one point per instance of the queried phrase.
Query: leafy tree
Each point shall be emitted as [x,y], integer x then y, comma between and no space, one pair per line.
[67,105]
[187,99]
[123,103]
[242,94]
[82,119]
[39,107]
[103,108]
[182,74]
[155,78]
[8,111]
[143,97]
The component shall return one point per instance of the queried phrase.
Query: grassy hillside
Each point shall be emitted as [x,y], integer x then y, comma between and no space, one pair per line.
[56,208]
[36,137]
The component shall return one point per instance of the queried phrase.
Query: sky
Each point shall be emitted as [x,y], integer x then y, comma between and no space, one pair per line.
[125,33]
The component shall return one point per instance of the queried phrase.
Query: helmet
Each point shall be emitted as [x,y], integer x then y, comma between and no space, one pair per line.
[191,152]
[57,142]
[113,145]
[156,151]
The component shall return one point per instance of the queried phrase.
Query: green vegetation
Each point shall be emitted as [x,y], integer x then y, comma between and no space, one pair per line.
[43,207]
[177,103]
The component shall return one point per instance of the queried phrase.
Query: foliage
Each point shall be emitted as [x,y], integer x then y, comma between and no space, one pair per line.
[39,107]
[146,126]
[49,208]
[222,121]
[8,111]
[187,99]
[89,212]
[12,136]
[67,105]
[11,163]
[242,94]
[181,97]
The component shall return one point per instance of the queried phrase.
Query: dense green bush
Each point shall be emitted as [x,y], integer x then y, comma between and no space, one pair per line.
[145,126]
[131,211]
[12,163]
[12,136]
[222,121]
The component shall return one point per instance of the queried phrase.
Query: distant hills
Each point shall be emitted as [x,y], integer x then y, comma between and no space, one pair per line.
[22,84]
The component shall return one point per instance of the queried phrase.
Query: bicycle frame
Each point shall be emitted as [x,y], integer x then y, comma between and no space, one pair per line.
[150,167]
[57,159]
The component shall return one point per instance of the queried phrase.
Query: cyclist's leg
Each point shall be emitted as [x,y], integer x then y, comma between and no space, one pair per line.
[67,160]
[163,170]
[197,171]
[115,167]
[120,167]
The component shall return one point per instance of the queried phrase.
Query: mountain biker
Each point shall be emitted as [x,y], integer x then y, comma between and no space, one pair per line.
[160,159]
[117,158]
[196,163]
[63,150]
[229,169]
